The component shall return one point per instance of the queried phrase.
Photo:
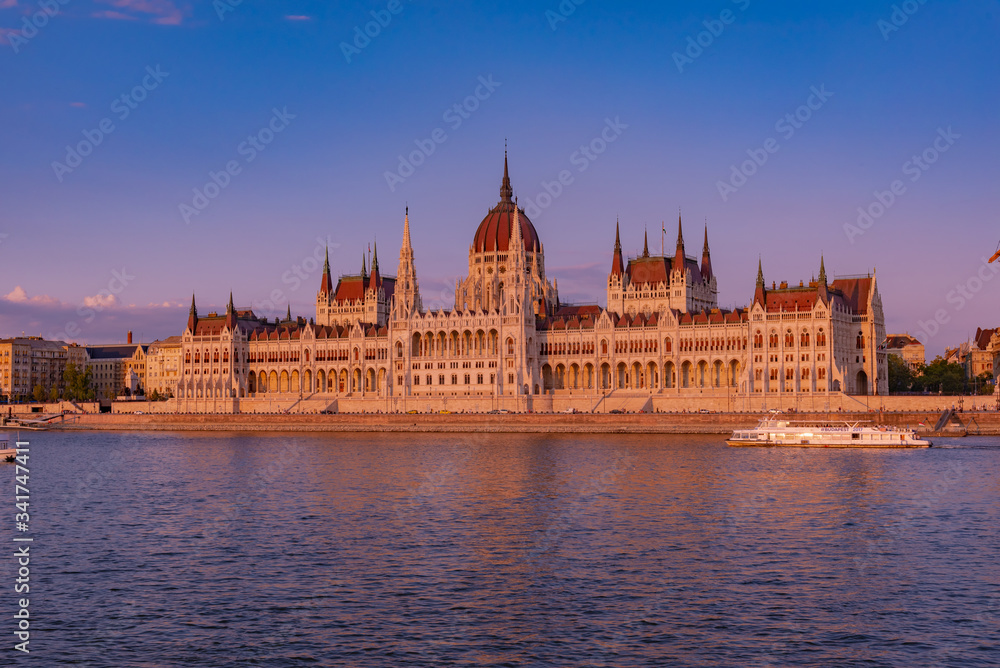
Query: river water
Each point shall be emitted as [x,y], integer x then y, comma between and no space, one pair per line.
[505,550]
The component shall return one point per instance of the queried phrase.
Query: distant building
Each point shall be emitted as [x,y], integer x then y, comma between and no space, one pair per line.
[163,365]
[908,348]
[26,362]
[979,358]
[116,367]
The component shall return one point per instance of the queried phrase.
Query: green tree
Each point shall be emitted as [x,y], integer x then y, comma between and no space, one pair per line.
[154,395]
[38,394]
[943,377]
[78,384]
[984,383]
[900,375]
[54,394]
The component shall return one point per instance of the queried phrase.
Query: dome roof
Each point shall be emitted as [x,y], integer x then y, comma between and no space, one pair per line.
[495,230]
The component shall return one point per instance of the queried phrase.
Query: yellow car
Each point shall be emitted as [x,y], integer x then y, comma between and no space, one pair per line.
[445,412]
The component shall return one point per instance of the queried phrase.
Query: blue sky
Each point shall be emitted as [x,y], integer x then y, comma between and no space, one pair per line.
[684,119]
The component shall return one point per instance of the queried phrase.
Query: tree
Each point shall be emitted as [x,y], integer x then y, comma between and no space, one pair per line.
[900,375]
[984,383]
[78,384]
[944,378]
[38,394]
[54,394]
[154,395]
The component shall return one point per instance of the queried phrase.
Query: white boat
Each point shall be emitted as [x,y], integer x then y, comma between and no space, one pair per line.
[7,453]
[774,432]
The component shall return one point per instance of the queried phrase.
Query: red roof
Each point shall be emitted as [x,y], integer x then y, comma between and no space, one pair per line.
[854,292]
[494,231]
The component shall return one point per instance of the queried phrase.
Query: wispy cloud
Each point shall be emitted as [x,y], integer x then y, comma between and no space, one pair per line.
[3,34]
[162,12]
[298,17]
[100,318]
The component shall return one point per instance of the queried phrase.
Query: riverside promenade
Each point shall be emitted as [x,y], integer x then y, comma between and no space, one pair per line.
[631,423]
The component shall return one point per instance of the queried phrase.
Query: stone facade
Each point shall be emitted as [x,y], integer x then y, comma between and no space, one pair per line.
[509,343]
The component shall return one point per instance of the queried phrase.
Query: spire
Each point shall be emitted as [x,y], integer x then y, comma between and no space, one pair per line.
[679,261]
[376,276]
[326,283]
[230,313]
[193,315]
[822,270]
[406,229]
[506,192]
[288,314]
[706,259]
[617,266]
[516,238]
[759,295]
[364,265]
[645,243]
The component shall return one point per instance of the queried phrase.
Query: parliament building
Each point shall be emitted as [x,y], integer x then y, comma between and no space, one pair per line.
[662,342]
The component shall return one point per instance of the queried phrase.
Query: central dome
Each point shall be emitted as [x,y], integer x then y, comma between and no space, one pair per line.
[495,230]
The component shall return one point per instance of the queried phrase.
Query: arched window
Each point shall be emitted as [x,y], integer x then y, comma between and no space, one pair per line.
[604,348]
[805,338]
[861,340]
[399,349]
[510,346]
[821,338]
[789,339]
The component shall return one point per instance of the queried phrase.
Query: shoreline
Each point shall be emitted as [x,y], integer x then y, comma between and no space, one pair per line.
[565,423]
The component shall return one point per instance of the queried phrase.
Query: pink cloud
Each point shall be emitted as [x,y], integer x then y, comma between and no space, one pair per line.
[100,318]
[115,16]
[6,31]
[162,12]
[6,4]
[78,105]
[298,17]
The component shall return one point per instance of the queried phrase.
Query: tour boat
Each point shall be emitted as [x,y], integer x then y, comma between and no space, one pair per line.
[7,453]
[773,432]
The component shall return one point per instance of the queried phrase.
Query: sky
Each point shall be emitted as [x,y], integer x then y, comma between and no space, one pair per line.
[152,149]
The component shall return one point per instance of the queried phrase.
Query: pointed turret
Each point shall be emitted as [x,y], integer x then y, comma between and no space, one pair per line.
[679,261]
[407,294]
[760,294]
[617,265]
[706,259]
[645,243]
[516,238]
[193,315]
[821,283]
[506,192]
[230,313]
[326,283]
[376,281]
[364,266]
